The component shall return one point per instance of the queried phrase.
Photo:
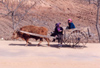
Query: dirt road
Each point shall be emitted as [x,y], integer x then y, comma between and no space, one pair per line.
[13,54]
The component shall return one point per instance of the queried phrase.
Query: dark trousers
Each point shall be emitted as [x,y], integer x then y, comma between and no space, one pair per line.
[60,38]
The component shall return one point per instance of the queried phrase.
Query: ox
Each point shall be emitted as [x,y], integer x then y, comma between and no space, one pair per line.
[31,29]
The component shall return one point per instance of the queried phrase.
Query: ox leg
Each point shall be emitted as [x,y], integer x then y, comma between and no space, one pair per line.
[47,39]
[41,39]
[39,43]
[27,42]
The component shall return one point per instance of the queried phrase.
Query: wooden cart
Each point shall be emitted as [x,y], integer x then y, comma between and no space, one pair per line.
[76,37]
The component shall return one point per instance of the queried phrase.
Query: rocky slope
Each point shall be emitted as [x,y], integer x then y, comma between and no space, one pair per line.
[48,12]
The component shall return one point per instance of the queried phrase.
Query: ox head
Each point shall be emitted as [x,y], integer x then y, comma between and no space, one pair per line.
[15,35]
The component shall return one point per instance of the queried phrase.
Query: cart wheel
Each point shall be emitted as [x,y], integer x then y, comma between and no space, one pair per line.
[77,38]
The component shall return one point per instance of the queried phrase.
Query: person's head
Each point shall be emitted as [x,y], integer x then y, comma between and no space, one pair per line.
[69,20]
[58,24]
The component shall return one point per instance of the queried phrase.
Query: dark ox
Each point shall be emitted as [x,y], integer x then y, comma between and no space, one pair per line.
[31,29]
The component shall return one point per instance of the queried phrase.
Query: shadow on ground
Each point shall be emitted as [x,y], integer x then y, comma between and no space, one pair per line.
[51,45]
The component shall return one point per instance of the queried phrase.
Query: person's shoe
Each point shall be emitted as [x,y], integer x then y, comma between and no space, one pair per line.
[60,45]
[53,40]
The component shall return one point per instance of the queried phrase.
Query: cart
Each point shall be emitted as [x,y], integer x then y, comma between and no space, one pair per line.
[76,37]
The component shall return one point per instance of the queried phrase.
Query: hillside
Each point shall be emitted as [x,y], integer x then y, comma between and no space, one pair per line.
[48,12]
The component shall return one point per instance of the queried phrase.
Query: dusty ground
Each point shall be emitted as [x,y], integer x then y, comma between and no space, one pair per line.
[13,54]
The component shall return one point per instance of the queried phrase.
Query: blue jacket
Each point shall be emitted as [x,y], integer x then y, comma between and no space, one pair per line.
[71,25]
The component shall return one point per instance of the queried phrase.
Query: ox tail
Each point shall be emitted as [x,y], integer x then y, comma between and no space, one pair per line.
[49,40]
